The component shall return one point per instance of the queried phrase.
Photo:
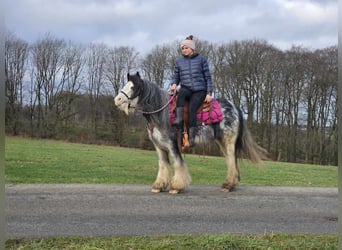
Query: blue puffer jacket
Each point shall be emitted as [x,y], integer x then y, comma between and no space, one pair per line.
[193,73]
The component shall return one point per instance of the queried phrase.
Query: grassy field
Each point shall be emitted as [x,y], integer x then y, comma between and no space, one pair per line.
[45,161]
[182,242]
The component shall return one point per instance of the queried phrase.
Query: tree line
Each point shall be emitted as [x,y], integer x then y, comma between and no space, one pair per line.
[64,90]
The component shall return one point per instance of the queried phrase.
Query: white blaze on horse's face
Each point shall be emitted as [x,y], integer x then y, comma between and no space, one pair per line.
[122,100]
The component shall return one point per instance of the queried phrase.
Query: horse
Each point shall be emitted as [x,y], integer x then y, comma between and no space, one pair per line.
[231,135]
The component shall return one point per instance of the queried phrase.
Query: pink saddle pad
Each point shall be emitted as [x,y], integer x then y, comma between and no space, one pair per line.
[206,117]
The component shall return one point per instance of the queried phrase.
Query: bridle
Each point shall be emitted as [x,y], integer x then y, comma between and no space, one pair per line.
[173,96]
[129,98]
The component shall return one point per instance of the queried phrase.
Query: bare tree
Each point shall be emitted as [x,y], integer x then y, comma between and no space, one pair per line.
[16,53]
[321,100]
[295,79]
[96,60]
[270,77]
[227,71]
[46,64]
[120,61]
[73,61]
[156,65]
[241,70]
[221,71]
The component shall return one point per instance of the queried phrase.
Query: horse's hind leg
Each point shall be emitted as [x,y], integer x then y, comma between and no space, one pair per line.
[164,172]
[227,146]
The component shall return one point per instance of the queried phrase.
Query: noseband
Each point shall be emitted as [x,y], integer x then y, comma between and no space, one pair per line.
[129,98]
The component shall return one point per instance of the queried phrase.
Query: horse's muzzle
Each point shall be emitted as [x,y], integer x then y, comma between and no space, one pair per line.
[119,100]
[122,103]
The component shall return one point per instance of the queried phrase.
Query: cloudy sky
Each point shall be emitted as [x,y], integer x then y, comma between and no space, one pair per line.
[144,24]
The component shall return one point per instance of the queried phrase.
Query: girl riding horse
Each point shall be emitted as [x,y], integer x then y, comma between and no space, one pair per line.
[230,134]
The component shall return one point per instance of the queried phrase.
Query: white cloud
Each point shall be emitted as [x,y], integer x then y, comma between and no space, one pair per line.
[308,12]
[144,24]
[139,39]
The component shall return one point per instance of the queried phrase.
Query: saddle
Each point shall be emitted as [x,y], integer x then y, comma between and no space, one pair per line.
[208,113]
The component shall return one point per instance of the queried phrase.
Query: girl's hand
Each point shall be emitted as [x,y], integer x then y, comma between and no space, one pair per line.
[208,98]
[173,87]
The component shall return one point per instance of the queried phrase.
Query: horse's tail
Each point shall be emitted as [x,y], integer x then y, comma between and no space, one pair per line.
[245,145]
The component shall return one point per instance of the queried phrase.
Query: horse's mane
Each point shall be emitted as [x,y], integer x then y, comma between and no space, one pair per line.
[153,98]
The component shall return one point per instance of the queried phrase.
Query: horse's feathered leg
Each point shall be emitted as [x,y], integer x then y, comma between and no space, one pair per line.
[227,146]
[181,178]
[164,172]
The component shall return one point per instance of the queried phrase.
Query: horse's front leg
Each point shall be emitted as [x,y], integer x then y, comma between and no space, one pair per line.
[164,172]
[181,178]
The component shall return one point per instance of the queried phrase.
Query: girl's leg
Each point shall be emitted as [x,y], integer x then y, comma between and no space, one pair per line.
[196,101]
[183,95]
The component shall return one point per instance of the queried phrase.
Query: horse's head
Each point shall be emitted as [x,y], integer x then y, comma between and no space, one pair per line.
[128,98]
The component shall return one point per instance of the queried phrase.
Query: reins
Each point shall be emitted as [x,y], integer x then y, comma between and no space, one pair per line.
[160,109]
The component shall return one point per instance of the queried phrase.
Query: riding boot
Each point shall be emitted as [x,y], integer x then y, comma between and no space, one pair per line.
[192,134]
[177,127]
[179,117]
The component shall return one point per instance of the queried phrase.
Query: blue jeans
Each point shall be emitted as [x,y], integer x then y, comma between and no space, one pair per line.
[195,101]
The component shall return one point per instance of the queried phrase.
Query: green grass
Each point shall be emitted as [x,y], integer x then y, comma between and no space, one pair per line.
[46,161]
[184,242]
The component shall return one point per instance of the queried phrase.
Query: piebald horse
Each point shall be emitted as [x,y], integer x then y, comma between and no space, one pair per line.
[230,134]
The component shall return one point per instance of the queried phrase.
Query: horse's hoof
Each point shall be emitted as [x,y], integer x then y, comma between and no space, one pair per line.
[225,190]
[174,191]
[155,190]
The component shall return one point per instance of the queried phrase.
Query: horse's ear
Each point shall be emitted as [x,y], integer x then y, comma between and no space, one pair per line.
[127,76]
[138,75]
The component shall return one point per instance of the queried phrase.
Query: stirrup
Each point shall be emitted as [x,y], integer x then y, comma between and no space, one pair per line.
[186,143]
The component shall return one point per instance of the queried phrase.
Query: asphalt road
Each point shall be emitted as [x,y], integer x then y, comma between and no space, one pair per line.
[117,210]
